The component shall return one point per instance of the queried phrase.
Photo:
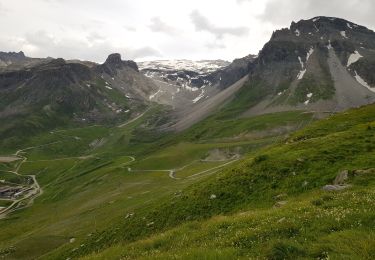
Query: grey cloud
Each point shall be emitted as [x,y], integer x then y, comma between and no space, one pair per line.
[201,23]
[157,25]
[45,44]
[95,36]
[130,28]
[3,10]
[142,53]
[283,12]
[215,46]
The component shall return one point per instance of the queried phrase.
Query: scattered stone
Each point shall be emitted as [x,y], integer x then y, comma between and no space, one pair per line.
[213,196]
[281,220]
[129,215]
[279,204]
[150,224]
[367,171]
[280,196]
[341,178]
[72,240]
[304,184]
[335,187]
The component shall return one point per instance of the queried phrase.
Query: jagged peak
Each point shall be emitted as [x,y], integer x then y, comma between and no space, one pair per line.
[114,58]
[114,61]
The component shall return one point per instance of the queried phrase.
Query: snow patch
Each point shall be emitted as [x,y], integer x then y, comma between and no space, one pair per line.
[329,46]
[353,58]
[301,74]
[309,96]
[297,32]
[363,82]
[201,95]
[316,19]
[108,87]
[343,34]
[349,26]
[300,61]
[193,89]
[303,67]
[311,51]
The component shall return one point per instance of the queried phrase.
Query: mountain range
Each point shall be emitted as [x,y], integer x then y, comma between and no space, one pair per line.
[270,156]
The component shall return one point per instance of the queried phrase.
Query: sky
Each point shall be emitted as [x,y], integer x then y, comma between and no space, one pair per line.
[159,29]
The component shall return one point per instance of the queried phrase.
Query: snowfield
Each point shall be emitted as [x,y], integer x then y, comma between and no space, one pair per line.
[353,58]
[201,67]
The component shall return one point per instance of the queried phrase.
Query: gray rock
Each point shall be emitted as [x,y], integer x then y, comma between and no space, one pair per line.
[341,178]
[335,187]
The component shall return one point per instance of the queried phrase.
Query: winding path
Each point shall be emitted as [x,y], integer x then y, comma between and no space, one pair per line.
[33,191]
[172,172]
[135,118]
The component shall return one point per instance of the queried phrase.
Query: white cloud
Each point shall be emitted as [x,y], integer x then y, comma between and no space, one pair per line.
[201,23]
[157,25]
[146,29]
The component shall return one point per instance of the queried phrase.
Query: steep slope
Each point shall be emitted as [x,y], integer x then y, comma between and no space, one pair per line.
[322,65]
[183,84]
[292,200]
[299,69]
[58,92]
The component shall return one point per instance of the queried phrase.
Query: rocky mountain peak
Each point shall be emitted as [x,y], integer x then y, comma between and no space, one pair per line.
[114,58]
[114,61]
[7,58]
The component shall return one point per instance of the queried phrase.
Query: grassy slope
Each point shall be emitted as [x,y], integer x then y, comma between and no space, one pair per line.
[246,217]
[88,188]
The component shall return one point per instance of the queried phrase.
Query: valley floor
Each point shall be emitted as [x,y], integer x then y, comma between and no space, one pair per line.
[251,190]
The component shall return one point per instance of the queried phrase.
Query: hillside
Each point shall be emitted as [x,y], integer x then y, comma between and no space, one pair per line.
[56,92]
[305,197]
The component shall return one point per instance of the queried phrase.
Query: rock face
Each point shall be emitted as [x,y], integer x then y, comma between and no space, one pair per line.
[114,63]
[339,183]
[301,67]
[55,89]
[238,69]
[10,57]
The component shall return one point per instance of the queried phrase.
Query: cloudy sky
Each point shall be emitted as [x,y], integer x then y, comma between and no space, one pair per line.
[159,29]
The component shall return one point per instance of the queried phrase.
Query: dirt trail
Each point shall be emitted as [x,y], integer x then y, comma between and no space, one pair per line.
[34,190]
[134,119]
[172,172]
